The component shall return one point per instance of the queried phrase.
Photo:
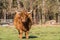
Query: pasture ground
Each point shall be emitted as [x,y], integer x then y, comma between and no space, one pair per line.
[36,33]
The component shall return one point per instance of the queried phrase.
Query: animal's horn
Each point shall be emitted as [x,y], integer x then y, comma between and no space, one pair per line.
[30,11]
[17,12]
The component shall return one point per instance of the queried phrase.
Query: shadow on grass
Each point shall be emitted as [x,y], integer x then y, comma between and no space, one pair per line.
[31,37]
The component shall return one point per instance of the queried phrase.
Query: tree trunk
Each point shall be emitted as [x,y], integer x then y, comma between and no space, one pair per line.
[56,17]
[4,12]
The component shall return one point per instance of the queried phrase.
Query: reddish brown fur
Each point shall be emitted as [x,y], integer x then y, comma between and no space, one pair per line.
[23,22]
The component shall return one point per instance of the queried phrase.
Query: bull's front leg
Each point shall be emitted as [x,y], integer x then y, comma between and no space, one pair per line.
[21,33]
[26,34]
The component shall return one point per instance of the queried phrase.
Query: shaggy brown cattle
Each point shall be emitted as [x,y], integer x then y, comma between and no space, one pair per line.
[23,22]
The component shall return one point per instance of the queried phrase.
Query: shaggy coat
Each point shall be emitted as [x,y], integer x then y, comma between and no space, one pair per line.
[23,22]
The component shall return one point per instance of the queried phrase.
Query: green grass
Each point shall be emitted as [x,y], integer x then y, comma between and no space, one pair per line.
[36,33]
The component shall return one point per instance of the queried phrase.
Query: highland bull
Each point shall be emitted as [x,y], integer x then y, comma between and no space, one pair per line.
[23,22]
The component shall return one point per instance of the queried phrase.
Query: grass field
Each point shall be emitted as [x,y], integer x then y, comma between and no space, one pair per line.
[36,33]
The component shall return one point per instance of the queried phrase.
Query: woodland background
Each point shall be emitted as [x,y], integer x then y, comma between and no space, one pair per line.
[42,10]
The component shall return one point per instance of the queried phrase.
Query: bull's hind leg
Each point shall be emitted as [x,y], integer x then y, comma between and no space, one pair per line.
[21,33]
[26,34]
